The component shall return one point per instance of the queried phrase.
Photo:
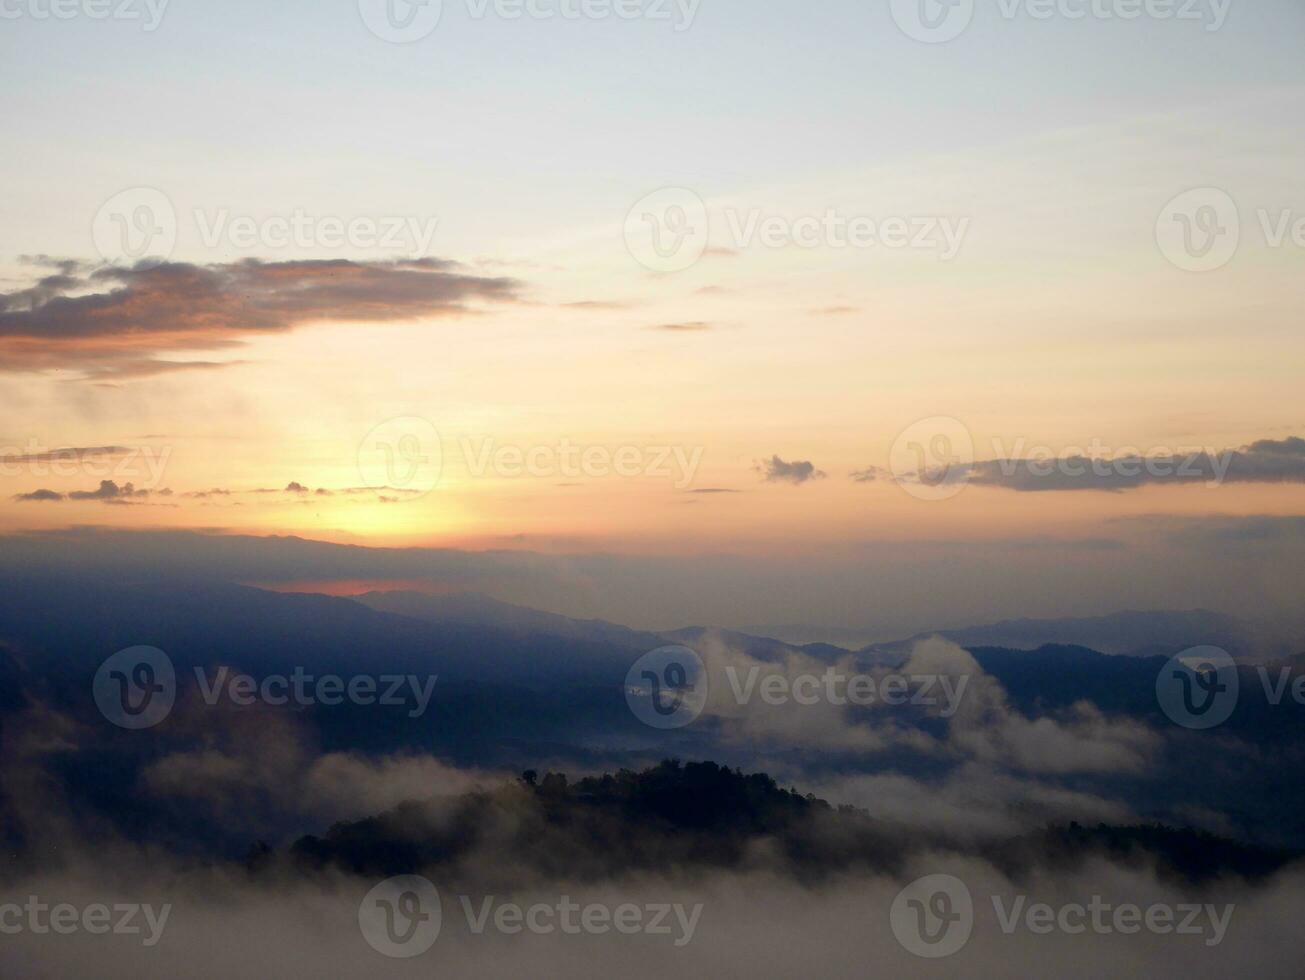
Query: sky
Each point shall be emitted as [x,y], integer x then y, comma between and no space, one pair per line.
[752,278]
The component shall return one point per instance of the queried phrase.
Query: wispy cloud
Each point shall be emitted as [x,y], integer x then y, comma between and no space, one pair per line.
[71,455]
[696,326]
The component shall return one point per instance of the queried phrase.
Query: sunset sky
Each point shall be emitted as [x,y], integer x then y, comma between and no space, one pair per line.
[527,319]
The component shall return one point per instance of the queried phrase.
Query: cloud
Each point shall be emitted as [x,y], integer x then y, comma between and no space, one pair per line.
[777,470]
[1265,461]
[108,492]
[868,475]
[115,322]
[128,370]
[63,455]
[39,496]
[295,489]
[989,730]
[970,803]
[696,326]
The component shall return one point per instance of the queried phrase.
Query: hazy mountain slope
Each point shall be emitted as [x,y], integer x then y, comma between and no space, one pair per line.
[1135,634]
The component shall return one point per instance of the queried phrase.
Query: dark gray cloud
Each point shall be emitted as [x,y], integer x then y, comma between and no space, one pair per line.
[115,322]
[39,496]
[110,492]
[1265,461]
[776,470]
[63,455]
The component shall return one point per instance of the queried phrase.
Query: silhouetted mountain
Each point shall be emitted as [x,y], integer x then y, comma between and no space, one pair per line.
[686,818]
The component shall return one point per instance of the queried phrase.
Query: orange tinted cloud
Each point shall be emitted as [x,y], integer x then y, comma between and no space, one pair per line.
[115,322]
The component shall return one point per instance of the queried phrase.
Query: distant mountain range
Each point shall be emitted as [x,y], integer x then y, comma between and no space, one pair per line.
[519,688]
[1129,634]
